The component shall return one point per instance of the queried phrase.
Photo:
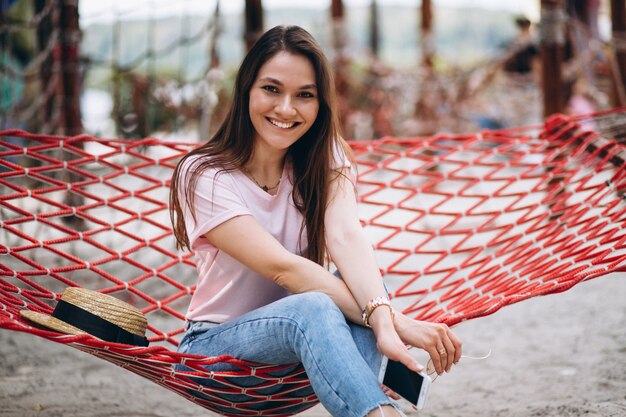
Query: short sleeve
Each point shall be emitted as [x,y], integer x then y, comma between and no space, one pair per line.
[341,160]
[216,200]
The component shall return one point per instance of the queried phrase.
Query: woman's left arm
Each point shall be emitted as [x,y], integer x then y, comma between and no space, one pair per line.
[353,255]
[347,244]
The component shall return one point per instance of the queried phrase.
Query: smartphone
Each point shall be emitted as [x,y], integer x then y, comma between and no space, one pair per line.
[410,385]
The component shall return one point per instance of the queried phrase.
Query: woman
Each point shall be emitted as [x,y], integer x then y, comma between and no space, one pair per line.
[263,204]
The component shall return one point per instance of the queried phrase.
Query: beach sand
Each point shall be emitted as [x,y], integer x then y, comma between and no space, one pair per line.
[562,355]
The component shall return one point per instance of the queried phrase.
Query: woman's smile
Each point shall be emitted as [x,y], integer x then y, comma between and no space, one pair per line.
[282,125]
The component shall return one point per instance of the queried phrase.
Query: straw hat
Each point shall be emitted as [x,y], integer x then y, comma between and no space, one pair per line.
[82,311]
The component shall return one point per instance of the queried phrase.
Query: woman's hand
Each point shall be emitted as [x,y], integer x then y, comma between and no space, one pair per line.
[437,339]
[389,342]
[390,393]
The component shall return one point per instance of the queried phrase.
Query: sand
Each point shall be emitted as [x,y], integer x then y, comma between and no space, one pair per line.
[562,355]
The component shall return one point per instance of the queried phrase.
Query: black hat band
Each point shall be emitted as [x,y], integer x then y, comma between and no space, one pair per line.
[95,326]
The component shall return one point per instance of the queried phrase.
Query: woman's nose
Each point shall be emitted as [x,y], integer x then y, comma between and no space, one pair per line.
[285,106]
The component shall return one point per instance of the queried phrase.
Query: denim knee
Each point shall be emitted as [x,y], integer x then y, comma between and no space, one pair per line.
[315,300]
[315,313]
[316,305]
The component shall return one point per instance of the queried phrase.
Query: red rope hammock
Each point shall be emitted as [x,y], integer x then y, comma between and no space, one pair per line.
[462,224]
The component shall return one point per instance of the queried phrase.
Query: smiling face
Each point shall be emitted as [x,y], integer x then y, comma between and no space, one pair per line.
[283,101]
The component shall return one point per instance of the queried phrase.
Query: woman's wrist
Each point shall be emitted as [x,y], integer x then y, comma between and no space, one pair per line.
[401,322]
[381,319]
[374,304]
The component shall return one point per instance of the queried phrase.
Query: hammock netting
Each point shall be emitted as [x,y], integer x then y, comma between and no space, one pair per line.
[462,224]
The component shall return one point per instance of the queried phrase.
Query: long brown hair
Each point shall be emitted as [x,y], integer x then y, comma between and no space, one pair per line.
[312,155]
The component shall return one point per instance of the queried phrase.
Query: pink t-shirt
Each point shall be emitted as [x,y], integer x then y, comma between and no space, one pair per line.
[226,289]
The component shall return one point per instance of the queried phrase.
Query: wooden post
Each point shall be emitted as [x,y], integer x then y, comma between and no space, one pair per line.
[254,22]
[552,32]
[337,14]
[341,62]
[48,71]
[426,32]
[337,10]
[210,109]
[214,60]
[374,32]
[70,69]
[618,25]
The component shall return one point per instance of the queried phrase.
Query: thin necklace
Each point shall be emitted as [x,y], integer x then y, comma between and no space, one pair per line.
[261,186]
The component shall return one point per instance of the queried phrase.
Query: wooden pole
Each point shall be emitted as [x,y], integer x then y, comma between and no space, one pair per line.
[426,32]
[254,22]
[117,77]
[618,25]
[214,60]
[48,70]
[210,108]
[374,32]
[337,10]
[337,14]
[70,67]
[341,62]
[552,31]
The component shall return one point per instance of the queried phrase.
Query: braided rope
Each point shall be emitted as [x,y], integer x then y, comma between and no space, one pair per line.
[462,224]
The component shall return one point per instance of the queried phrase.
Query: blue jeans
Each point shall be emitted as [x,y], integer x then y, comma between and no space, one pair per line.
[340,358]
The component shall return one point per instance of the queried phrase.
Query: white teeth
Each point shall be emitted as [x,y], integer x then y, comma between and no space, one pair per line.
[282,125]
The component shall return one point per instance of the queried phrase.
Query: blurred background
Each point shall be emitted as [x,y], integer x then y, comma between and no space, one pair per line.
[162,68]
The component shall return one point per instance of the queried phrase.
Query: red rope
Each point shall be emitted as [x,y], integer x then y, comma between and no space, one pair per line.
[462,224]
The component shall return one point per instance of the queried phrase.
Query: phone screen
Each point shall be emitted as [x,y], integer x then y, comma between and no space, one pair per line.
[410,385]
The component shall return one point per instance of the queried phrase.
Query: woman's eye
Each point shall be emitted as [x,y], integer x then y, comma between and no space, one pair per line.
[306,94]
[270,88]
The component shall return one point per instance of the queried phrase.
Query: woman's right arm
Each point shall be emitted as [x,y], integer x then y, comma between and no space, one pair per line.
[244,239]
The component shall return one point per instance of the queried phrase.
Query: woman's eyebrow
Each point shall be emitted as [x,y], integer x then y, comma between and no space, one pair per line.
[277,82]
